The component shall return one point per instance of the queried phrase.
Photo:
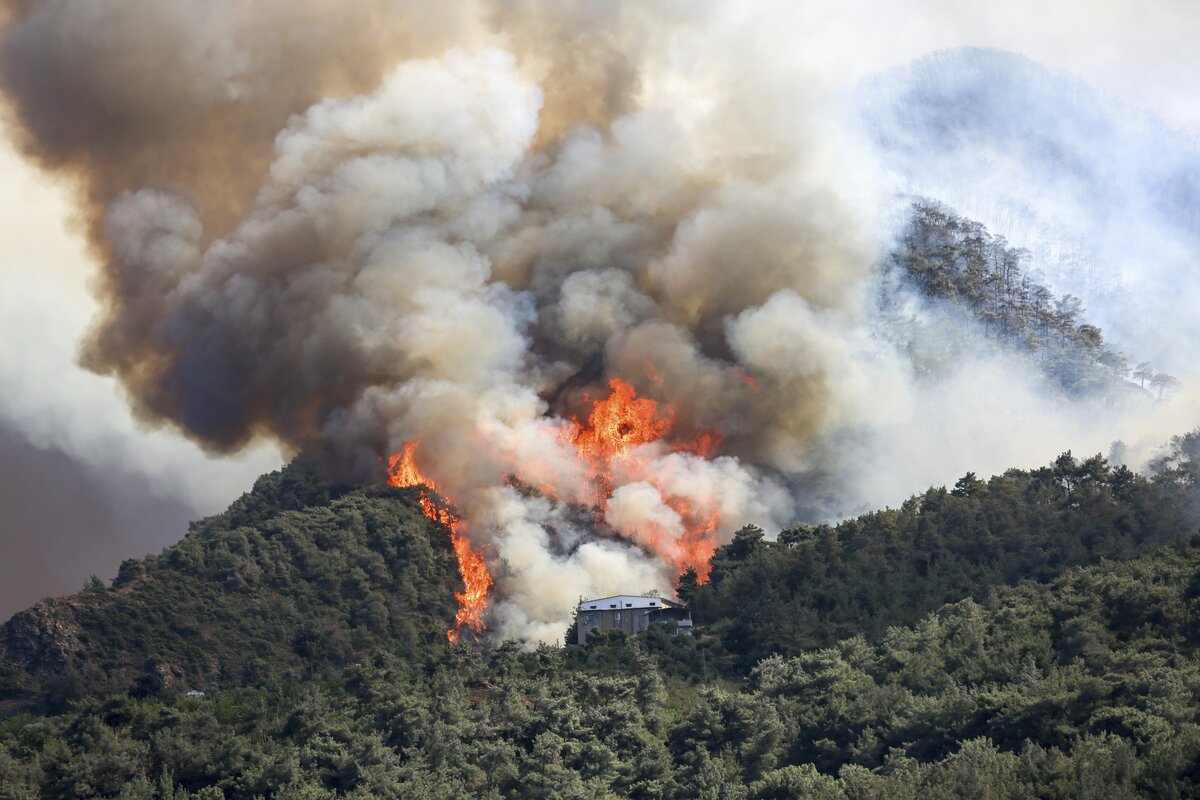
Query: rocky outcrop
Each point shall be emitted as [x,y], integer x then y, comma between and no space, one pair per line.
[42,638]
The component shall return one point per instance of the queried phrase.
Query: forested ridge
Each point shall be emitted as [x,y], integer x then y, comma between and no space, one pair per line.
[956,261]
[818,584]
[296,575]
[1031,635]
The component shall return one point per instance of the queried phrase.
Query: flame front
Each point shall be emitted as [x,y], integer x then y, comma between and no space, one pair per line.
[618,444]
[620,422]
[473,602]
[615,428]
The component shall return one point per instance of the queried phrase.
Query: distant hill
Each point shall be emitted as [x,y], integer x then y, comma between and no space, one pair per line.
[1104,196]
[962,271]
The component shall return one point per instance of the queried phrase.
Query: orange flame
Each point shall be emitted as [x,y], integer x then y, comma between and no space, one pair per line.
[608,445]
[615,426]
[621,421]
[699,540]
[402,472]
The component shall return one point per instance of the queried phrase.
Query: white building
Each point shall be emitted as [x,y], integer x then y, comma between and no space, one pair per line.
[630,613]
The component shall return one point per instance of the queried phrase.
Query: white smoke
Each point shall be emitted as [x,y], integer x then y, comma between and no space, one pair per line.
[458,241]
[360,296]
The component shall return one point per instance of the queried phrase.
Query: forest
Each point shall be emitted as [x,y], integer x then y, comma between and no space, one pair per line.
[955,264]
[1031,635]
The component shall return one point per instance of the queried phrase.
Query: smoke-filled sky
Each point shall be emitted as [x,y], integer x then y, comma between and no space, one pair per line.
[235,231]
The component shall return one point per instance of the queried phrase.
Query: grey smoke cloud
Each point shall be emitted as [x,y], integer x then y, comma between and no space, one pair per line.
[65,521]
[365,225]
[84,487]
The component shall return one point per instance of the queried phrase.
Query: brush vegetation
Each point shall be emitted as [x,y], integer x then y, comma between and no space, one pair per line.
[1035,634]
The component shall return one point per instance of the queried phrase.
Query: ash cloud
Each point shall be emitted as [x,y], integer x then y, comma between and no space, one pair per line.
[355,227]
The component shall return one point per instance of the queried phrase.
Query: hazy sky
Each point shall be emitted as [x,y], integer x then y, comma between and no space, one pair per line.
[84,487]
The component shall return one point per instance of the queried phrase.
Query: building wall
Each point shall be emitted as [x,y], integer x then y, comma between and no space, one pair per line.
[630,620]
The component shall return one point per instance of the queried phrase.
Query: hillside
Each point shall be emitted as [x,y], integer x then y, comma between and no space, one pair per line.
[294,576]
[1035,634]
[818,585]
[1081,687]
[958,268]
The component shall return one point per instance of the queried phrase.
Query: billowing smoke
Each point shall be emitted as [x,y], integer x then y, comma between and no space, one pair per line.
[358,227]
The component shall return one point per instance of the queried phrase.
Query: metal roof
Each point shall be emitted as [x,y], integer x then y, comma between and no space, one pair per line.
[620,601]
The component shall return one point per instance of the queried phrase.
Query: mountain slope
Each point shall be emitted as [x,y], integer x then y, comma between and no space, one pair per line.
[296,575]
[1082,687]
[1102,661]
[958,268]
[817,585]
[1102,195]
[314,618]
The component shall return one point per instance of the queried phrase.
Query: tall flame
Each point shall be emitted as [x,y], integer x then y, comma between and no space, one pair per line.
[473,602]
[621,421]
[615,427]
[610,445]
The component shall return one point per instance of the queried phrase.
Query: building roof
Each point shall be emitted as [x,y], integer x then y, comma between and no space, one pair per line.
[620,601]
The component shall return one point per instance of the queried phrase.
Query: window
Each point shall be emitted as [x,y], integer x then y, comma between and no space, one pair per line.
[651,602]
[587,619]
[591,606]
[617,617]
[629,605]
[612,605]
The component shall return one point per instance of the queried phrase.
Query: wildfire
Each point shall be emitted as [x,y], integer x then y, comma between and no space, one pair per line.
[403,471]
[615,426]
[619,422]
[610,445]
[699,540]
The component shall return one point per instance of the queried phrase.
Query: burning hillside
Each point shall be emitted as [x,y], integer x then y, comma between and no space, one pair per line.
[612,447]
[477,581]
[600,312]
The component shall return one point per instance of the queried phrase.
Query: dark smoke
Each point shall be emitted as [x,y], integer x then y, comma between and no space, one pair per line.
[347,227]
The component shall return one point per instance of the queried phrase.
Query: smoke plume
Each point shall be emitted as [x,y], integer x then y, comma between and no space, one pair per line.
[360,227]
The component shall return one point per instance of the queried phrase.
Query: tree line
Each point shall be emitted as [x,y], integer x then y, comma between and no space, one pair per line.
[1036,634]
